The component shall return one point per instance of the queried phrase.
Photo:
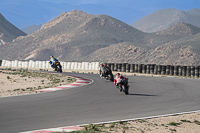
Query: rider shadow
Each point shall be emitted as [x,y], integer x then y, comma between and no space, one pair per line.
[147,95]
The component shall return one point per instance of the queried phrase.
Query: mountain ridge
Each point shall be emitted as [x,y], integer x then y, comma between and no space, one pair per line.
[78,36]
[8,31]
[165,18]
[69,32]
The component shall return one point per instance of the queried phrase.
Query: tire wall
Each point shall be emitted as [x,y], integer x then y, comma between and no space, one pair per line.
[186,71]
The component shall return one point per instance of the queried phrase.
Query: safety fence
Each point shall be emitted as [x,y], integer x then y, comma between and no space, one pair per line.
[186,71]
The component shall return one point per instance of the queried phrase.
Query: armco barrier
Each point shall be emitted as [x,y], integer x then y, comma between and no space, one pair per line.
[188,71]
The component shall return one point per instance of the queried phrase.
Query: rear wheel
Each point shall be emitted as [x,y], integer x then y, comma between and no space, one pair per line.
[111,77]
[125,89]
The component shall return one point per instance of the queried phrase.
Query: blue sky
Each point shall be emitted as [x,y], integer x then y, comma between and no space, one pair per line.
[24,13]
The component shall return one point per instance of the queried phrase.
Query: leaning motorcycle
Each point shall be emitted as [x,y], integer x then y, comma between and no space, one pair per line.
[108,75]
[57,67]
[124,86]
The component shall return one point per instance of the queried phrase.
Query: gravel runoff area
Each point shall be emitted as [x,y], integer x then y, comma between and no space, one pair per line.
[15,82]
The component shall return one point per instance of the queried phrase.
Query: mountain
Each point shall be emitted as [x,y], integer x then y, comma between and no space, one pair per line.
[175,32]
[71,36]
[166,18]
[183,49]
[78,36]
[31,29]
[8,32]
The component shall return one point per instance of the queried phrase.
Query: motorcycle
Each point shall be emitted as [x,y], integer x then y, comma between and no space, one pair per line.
[57,67]
[123,86]
[108,75]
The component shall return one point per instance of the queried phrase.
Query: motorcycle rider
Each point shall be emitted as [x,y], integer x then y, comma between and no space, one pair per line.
[53,62]
[103,69]
[118,79]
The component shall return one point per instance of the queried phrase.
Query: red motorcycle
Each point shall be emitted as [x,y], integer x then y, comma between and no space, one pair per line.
[123,85]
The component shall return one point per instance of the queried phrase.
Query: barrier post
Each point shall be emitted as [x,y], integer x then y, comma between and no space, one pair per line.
[132,68]
[148,68]
[176,70]
[188,72]
[180,70]
[140,68]
[184,69]
[168,69]
[163,71]
[196,71]
[115,67]
[152,68]
[136,67]
[79,66]
[192,71]
[171,71]
[112,66]
[127,67]
[156,69]
[3,63]
[123,67]
[144,68]
[119,67]
[159,69]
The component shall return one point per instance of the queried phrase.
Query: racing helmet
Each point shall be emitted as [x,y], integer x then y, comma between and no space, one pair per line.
[117,75]
[101,63]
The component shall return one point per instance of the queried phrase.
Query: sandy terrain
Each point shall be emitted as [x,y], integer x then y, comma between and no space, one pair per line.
[187,123]
[16,82]
[19,83]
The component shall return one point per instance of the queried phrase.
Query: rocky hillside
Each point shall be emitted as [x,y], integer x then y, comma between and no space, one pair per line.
[166,18]
[78,36]
[8,32]
[183,50]
[170,54]
[71,36]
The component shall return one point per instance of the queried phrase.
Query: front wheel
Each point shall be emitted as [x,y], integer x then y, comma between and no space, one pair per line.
[57,69]
[60,68]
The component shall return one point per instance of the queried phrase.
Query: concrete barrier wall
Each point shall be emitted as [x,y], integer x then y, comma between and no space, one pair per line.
[185,71]
[46,65]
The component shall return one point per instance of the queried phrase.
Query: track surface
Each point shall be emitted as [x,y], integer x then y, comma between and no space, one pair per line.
[99,102]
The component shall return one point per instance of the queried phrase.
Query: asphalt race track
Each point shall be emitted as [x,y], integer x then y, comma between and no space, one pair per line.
[99,102]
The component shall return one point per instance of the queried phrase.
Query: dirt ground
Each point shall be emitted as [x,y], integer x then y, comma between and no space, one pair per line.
[21,82]
[186,123]
[16,82]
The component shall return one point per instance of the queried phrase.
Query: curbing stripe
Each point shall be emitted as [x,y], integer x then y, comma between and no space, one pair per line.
[60,129]
[80,82]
